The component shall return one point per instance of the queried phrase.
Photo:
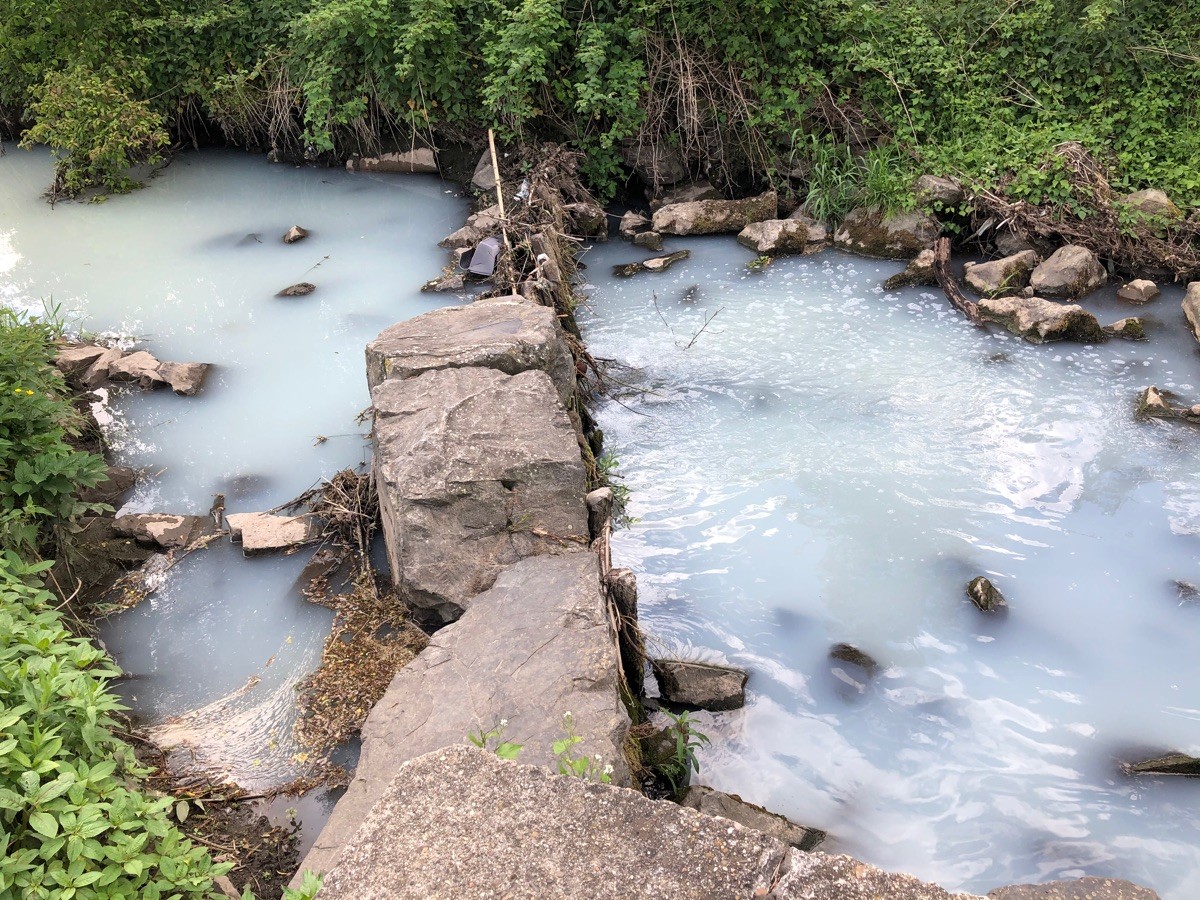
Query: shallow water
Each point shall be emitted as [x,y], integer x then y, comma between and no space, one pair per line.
[191,265]
[830,463]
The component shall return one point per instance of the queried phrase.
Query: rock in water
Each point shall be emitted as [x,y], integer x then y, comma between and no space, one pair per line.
[1071,271]
[1131,328]
[701,685]
[650,240]
[420,160]
[267,533]
[848,653]
[297,290]
[1191,307]
[895,236]
[776,237]
[655,264]
[1001,276]
[1079,889]
[715,216]
[140,367]
[1039,320]
[1170,764]
[984,594]
[734,808]
[295,233]
[631,223]
[1140,290]
[918,272]
[163,531]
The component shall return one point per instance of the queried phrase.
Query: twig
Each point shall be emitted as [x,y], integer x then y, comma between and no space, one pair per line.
[703,328]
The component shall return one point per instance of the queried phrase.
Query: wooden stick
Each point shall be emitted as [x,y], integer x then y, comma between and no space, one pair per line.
[500,201]
[949,284]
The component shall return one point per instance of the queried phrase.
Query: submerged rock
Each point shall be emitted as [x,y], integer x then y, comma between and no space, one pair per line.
[776,237]
[985,595]
[700,685]
[268,533]
[1001,276]
[1169,764]
[1039,320]
[297,290]
[714,216]
[732,807]
[1140,290]
[295,233]
[419,160]
[476,470]
[889,236]
[655,264]
[1087,888]
[1071,271]
[1191,307]
[650,240]
[1156,404]
[1131,328]
[1186,590]
[848,653]
[934,189]
[918,272]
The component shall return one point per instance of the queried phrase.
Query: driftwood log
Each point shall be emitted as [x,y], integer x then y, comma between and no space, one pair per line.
[949,284]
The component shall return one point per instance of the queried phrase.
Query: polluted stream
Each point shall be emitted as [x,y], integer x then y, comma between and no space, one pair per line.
[190,266]
[827,462]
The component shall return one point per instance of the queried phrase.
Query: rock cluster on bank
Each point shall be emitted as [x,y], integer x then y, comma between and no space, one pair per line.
[91,365]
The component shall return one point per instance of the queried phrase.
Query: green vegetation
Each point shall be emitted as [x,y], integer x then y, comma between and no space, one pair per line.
[850,98]
[683,762]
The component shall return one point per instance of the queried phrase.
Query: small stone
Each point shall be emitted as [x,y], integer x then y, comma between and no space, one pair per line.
[1191,307]
[1140,290]
[650,240]
[631,223]
[919,271]
[264,532]
[654,264]
[1131,329]
[297,290]
[701,685]
[295,233]
[1071,271]
[444,283]
[185,379]
[945,192]
[985,595]
[484,177]
[848,653]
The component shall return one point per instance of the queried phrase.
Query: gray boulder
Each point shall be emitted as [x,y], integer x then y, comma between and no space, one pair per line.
[732,807]
[484,176]
[480,225]
[140,367]
[1008,243]
[98,370]
[1131,328]
[476,470]
[534,647]
[185,379]
[508,334]
[1170,764]
[820,876]
[1191,307]
[687,193]
[587,220]
[262,532]
[301,289]
[1001,276]
[818,231]
[656,164]
[985,595]
[1039,320]
[74,359]
[631,223]
[420,160]
[1140,290]
[896,236]
[700,685]
[945,192]
[775,237]
[1071,271]
[919,271]
[714,216]
[295,233]
[649,240]
[1152,202]
[1077,889]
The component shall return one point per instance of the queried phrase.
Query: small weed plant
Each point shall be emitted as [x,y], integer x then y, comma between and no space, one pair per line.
[688,739]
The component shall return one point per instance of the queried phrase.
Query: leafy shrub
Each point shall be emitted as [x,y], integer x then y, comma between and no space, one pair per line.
[72,821]
[40,473]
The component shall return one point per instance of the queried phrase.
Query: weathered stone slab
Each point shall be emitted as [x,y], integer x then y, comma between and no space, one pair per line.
[732,807]
[896,236]
[775,236]
[535,646]
[934,189]
[476,469]
[919,271]
[140,366]
[508,334]
[714,216]
[420,160]
[1000,276]
[76,358]
[1076,889]
[654,264]
[1152,202]
[819,876]
[266,533]
[185,379]
[1039,320]
[701,685]
[164,531]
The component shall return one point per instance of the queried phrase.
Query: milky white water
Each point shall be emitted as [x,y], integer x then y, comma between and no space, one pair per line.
[191,265]
[831,463]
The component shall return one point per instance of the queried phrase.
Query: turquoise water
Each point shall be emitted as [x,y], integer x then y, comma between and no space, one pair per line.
[828,462]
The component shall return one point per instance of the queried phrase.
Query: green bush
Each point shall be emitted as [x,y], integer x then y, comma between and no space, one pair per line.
[73,822]
[40,473]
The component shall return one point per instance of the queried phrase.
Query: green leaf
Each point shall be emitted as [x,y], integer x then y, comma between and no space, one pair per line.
[44,824]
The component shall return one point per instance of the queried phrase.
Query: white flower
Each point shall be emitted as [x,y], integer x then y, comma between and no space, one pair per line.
[504,723]
[608,769]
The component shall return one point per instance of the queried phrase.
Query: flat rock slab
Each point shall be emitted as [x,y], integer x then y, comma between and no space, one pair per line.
[508,334]
[1077,889]
[734,808]
[819,876]
[700,685]
[476,470]
[164,531]
[535,646]
[462,823]
[420,160]
[1038,320]
[267,533]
